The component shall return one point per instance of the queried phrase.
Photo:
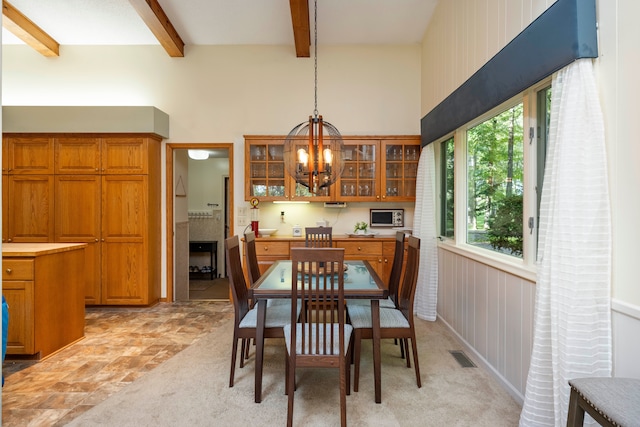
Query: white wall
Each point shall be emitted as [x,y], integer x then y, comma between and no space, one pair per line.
[461,37]
[617,67]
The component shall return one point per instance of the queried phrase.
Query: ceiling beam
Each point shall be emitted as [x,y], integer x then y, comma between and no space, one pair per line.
[301,31]
[159,24]
[23,28]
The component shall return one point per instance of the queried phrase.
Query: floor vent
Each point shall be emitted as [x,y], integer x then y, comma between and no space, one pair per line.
[462,359]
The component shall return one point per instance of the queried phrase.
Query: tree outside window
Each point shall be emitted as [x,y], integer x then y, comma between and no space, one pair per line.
[495,182]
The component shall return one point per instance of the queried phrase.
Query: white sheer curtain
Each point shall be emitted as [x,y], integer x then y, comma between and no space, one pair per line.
[572,329]
[424,227]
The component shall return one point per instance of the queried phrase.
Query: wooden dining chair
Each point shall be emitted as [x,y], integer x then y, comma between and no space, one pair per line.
[251,257]
[318,237]
[321,339]
[245,320]
[394,323]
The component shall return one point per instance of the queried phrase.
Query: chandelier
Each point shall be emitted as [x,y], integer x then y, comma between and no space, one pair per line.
[313,149]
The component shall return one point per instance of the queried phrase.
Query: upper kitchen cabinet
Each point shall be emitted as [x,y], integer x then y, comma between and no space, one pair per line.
[376,169]
[400,161]
[31,155]
[379,169]
[265,174]
[118,155]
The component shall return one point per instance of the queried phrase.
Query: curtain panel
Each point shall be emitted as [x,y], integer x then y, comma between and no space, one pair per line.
[425,228]
[572,317]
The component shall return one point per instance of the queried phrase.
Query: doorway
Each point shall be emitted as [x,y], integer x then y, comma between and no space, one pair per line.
[199,199]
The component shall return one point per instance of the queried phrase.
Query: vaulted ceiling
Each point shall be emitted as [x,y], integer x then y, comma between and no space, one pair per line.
[174,24]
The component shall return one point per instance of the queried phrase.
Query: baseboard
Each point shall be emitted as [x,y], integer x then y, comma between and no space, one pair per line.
[482,362]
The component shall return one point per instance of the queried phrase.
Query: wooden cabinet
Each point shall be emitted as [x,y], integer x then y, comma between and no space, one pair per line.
[379,169]
[376,169]
[266,175]
[30,208]
[363,249]
[43,287]
[104,190]
[29,154]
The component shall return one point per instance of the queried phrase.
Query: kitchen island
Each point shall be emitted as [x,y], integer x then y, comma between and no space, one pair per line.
[43,285]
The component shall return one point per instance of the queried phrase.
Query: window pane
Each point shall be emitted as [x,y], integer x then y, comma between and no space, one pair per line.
[447,224]
[543,119]
[495,183]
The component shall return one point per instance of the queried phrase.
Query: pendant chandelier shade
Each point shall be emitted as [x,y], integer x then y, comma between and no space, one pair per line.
[313,150]
[313,154]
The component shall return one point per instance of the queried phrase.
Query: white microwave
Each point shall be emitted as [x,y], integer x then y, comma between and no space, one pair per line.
[386,217]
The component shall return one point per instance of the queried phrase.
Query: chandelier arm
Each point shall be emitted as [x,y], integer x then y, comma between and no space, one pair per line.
[315,57]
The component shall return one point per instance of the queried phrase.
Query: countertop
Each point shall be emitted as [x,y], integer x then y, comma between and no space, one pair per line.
[36,249]
[275,238]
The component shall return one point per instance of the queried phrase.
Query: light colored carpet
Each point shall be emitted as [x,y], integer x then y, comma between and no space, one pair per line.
[192,389]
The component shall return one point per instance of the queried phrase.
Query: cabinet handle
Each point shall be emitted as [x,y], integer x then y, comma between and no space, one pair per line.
[9,271]
[359,248]
[9,240]
[386,261]
[266,248]
[97,239]
[377,197]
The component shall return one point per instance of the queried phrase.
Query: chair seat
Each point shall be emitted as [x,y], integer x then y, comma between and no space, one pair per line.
[277,315]
[617,399]
[384,303]
[360,316]
[324,335]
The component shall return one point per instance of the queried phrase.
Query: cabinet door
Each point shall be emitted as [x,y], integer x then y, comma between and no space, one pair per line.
[5,208]
[30,155]
[400,159]
[77,155]
[124,240]
[20,298]
[78,220]
[31,208]
[265,173]
[359,181]
[302,191]
[124,156]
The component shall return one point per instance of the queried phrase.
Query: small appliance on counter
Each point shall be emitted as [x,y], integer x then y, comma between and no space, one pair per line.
[386,217]
[296,231]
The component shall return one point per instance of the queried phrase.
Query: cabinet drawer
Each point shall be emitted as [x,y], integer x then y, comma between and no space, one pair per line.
[272,248]
[17,269]
[361,248]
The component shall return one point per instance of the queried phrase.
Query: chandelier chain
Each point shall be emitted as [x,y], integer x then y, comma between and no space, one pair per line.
[315,57]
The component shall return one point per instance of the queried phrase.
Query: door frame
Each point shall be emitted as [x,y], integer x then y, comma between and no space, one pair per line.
[170,195]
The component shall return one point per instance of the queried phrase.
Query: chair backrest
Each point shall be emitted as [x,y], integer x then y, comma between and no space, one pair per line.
[323,288]
[236,278]
[318,237]
[396,267]
[410,279]
[251,256]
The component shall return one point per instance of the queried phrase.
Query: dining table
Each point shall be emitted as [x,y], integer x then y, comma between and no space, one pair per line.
[360,282]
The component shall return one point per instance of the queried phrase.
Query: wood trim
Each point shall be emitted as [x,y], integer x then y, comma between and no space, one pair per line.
[152,14]
[27,31]
[170,204]
[301,31]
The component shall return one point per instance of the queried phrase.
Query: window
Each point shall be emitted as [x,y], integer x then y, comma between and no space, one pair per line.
[499,182]
[446,181]
[495,182]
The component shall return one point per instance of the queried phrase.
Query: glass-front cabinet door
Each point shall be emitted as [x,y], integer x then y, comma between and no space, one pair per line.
[264,170]
[400,163]
[301,192]
[359,177]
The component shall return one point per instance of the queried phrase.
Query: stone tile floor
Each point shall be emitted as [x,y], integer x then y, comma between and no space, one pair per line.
[120,345]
